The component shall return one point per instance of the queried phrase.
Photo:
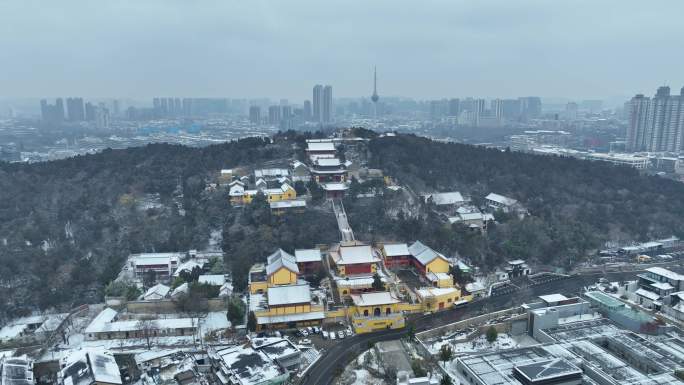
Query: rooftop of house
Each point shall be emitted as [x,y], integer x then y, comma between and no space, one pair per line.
[89,366]
[320,146]
[666,273]
[374,299]
[396,249]
[307,255]
[423,253]
[350,255]
[288,294]
[212,279]
[247,366]
[280,259]
[446,198]
[506,201]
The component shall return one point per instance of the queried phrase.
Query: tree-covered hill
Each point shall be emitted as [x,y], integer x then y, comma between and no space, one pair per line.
[576,205]
[66,226]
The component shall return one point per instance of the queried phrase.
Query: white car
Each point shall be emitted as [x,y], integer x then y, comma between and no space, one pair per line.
[316,329]
[310,330]
[332,335]
[325,335]
[305,341]
[349,332]
[304,333]
[340,334]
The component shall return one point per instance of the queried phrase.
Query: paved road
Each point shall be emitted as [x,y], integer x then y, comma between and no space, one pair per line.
[338,356]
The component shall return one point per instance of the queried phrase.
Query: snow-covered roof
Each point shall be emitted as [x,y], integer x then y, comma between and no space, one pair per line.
[307,255]
[9,332]
[188,266]
[349,255]
[446,198]
[248,366]
[662,286]
[328,162]
[280,259]
[474,287]
[647,294]
[155,258]
[506,201]
[287,204]
[396,249]
[107,315]
[89,366]
[275,348]
[184,288]
[553,298]
[158,290]
[373,299]
[423,253]
[285,318]
[320,146]
[435,292]
[666,273]
[436,277]
[212,279]
[335,186]
[135,325]
[226,171]
[271,172]
[288,294]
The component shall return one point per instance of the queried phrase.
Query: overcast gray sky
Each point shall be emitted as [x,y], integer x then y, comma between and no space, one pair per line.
[423,49]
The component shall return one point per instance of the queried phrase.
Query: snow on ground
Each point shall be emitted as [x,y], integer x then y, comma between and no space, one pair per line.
[217,320]
[479,344]
[363,377]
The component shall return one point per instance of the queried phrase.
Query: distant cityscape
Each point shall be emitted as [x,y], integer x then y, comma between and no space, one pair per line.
[645,133]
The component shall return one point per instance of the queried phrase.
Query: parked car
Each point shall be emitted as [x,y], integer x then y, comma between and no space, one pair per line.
[305,341]
[316,329]
[304,333]
[332,335]
[340,334]
[349,333]
[310,330]
[325,335]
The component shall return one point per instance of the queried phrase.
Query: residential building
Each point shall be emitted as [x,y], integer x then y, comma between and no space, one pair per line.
[327,108]
[445,201]
[300,172]
[240,196]
[289,206]
[244,365]
[656,124]
[161,265]
[90,367]
[107,326]
[255,114]
[75,109]
[631,160]
[274,115]
[52,113]
[656,285]
[503,203]
[16,370]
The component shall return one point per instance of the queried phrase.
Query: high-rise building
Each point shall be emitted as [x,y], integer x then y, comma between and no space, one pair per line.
[375,97]
[511,109]
[52,113]
[327,104]
[286,112]
[571,110]
[255,114]
[656,124]
[454,107]
[102,118]
[530,107]
[497,109]
[75,109]
[307,113]
[89,112]
[274,114]
[317,103]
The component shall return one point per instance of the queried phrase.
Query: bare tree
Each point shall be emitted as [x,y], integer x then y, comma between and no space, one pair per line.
[148,328]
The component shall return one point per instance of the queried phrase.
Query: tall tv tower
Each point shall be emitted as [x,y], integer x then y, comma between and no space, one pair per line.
[375,96]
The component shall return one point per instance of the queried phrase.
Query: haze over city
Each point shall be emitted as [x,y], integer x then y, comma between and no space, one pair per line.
[341,192]
[430,49]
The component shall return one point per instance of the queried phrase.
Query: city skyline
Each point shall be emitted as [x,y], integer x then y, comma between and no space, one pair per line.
[252,50]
